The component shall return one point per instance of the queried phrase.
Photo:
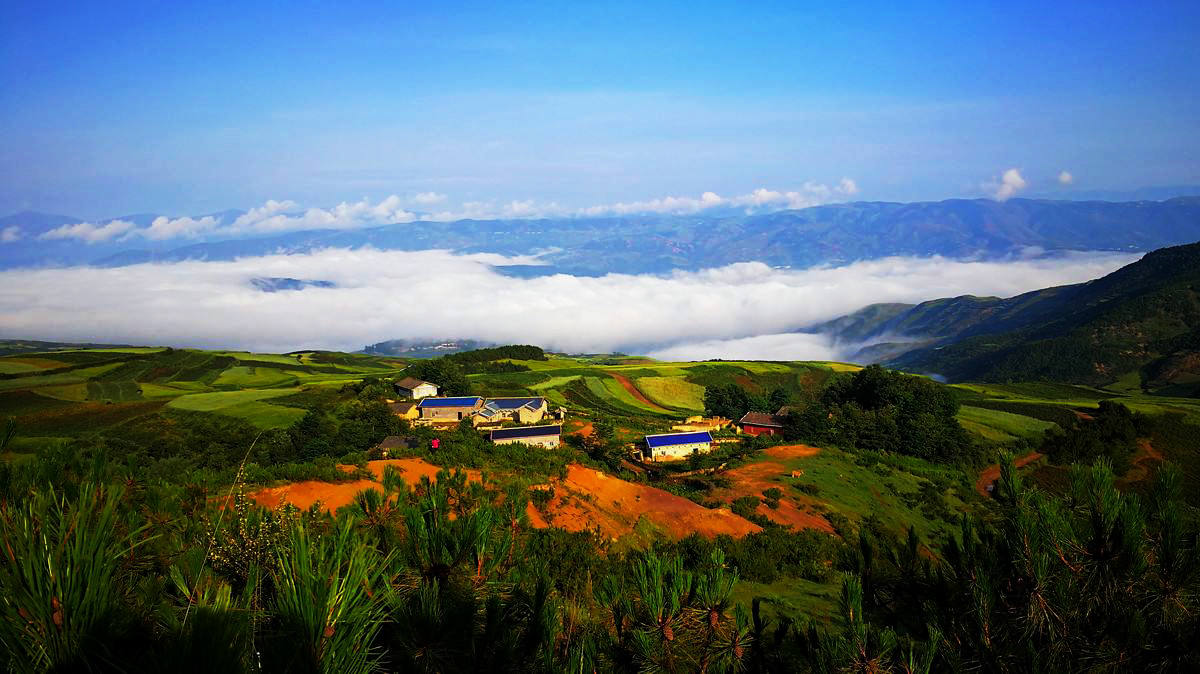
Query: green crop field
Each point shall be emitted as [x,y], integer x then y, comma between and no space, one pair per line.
[16,365]
[1001,426]
[263,415]
[672,392]
[243,376]
[115,391]
[220,400]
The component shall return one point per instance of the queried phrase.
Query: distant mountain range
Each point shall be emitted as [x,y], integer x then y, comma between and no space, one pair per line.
[1139,325]
[830,234]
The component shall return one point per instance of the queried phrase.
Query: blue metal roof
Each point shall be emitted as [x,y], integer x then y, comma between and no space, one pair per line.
[514,403]
[525,432]
[669,439]
[469,401]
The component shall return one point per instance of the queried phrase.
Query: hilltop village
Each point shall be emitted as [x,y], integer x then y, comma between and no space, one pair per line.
[510,420]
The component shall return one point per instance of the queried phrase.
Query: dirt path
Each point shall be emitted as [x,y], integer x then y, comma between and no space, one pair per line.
[635,391]
[989,475]
[584,430]
[1139,468]
[752,479]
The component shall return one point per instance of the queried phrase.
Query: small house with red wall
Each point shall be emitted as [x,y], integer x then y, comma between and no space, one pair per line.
[761,423]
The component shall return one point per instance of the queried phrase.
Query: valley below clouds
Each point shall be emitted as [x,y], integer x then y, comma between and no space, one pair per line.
[744,310]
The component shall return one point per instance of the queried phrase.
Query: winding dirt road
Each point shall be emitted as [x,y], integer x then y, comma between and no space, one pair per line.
[989,475]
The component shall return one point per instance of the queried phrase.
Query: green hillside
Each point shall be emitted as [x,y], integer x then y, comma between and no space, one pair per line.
[1140,325]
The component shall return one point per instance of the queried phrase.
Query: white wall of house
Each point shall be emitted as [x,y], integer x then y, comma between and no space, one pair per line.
[676,452]
[547,441]
[424,391]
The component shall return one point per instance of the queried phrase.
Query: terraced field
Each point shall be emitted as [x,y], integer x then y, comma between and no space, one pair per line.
[674,392]
[81,391]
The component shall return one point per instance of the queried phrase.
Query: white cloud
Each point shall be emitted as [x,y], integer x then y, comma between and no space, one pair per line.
[1065,178]
[393,294]
[10,234]
[89,232]
[809,194]
[785,346]
[171,228]
[275,217]
[1010,183]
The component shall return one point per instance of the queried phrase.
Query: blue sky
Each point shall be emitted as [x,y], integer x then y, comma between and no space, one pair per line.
[115,108]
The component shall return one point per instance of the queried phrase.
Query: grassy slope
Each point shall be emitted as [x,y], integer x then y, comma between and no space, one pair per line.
[76,392]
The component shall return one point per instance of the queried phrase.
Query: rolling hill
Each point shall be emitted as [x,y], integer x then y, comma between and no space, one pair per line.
[1140,324]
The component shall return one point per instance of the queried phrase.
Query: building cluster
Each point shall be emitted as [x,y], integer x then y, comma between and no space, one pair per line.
[426,407]
[693,436]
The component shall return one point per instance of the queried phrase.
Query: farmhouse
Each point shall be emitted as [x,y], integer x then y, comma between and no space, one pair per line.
[393,443]
[701,424]
[446,410]
[542,436]
[520,410]
[404,410]
[673,446]
[411,387]
[761,423]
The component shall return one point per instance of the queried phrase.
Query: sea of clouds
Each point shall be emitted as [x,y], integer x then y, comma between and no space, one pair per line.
[746,310]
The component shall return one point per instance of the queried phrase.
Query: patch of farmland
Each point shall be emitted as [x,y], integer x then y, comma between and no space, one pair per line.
[607,387]
[18,365]
[263,415]
[261,357]
[550,364]
[252,376]
[840,367]
[116,391]
[595,398]
[21,403]
[554,382]
[673,392]
[70,392]
[160,391]
[56,378]
[221,400]
[1001,426]
[75,419]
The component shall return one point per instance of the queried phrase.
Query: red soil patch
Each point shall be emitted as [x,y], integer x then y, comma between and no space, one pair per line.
[586,499]
[752,479]
[585,430]
[635,391]
[334,495]
[590,499]
[989,475]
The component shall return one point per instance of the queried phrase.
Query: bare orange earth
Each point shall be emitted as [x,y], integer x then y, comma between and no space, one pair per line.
[587,499]
[752,479]
[989,475]
[334,495]
[591,499]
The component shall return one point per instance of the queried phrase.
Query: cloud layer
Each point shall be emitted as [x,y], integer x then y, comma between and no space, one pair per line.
[382,295]
[283,216]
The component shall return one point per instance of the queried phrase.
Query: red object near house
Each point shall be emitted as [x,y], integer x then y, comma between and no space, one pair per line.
[760,423]
[435,443]
[751,429]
